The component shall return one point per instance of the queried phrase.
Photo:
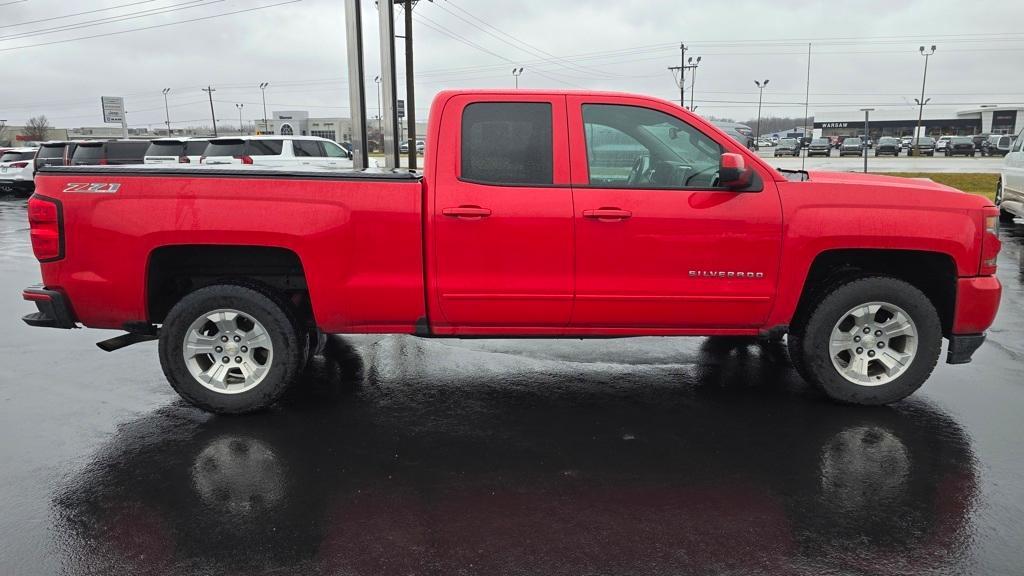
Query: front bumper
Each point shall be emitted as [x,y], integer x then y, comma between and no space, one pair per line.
[54,310]
[977,301]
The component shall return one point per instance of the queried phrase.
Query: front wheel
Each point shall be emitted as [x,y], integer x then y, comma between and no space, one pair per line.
[870,341]
[231,349]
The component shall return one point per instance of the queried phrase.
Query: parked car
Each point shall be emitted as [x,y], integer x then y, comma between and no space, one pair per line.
[979,140]
[404,147]
[906,142]
[175,150]
[282,151]
[240,281]
[1010,190]
[54,153]
[959,146]
[925,146]
[739,132]
[787,147]
[997,145]
[109,152]
[942,142]
[888,145]
[851,146]
[866,141]
[819,147]
[17,171]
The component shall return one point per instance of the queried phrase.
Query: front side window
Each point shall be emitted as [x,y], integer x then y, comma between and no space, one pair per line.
[334,151]
[507,143]
[633,147]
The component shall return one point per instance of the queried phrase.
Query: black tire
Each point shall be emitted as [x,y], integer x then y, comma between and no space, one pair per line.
[809,347]
[288,339]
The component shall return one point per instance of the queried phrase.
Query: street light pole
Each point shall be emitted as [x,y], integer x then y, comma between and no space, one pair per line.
[693,81]
[240,106]
[263,89]
[760,94]
[516,72]
[922,101]
[167,112]
[380,127]
[867,136]
[210,90]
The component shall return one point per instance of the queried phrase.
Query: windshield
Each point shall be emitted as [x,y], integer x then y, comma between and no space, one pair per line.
[962,141]
[851,142]
[820,142]
[887,140]
[787,143]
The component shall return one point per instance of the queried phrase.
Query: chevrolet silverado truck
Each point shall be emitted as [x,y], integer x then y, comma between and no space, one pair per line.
[538,214]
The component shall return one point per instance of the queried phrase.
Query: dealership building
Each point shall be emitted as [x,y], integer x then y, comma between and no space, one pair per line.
[902,120]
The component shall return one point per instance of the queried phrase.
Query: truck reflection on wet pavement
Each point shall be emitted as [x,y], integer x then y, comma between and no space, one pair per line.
[399,455]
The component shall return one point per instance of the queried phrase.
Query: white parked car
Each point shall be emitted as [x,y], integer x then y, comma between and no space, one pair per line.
[1010,191]
[17,171]
[283,151]
[176,150]
[942,142]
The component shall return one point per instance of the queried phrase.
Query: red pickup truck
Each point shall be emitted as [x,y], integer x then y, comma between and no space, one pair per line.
[543,214]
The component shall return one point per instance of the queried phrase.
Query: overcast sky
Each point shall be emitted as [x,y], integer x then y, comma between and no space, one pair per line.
[863,53]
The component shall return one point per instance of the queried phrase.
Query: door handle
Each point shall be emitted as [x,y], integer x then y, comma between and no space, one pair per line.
[467,212]
[607,214]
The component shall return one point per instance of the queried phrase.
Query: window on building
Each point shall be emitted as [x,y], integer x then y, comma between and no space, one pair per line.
[286,130]
[507,143]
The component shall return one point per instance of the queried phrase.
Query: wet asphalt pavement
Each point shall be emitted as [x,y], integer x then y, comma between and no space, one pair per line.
[404,456]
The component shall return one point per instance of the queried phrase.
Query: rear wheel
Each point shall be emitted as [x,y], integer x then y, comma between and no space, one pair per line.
[231,349]
[870,341]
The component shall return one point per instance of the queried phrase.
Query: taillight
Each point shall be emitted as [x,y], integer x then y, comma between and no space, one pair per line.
[47,228]
[990,246]
[18,164]
[102,162]
[183,160]
[245,158]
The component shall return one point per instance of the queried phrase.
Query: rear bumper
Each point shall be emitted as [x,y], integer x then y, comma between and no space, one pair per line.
[53,308]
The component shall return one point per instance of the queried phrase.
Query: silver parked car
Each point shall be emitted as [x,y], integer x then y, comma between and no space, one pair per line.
[739,132]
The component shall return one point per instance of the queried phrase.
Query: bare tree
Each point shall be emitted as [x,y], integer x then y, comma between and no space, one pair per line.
[3,132]
[37,128]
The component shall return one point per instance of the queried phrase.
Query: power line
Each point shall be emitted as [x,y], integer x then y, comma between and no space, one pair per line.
[164,25]
[112,19]
[51,18]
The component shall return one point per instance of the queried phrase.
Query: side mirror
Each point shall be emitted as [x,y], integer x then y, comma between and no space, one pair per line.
[733,172]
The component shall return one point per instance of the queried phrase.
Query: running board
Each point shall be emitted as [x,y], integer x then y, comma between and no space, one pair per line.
[124,340]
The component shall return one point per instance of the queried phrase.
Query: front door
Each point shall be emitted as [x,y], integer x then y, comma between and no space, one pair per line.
[502,217]
[658,243]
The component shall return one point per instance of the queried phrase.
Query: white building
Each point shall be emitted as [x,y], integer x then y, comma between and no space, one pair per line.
[902,121]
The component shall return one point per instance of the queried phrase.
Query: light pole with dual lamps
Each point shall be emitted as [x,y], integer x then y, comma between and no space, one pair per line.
[760,94]
[922,101]
[263,89]
[516,72]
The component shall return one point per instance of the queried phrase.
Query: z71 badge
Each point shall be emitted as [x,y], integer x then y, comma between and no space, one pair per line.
[94,187]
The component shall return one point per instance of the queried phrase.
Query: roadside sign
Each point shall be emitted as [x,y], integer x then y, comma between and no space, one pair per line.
[401,108]
[113,109]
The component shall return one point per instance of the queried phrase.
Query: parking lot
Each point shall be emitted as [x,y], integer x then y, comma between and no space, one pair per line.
[902,163]
[402,455]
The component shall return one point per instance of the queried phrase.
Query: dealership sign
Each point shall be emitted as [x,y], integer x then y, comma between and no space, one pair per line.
[113,109]
[834,124]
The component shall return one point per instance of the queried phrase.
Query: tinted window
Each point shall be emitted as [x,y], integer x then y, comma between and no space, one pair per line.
[820,142]
[334,151]
[263,148]
[51,151]
[962,141]
[16,156]
[851,142]
[787,143]
[88,153]
[126,152]
[887,141]
[507,143]
[306,148]
[196,147]
[167,148]
[926,140]
[634,147]
[232,147]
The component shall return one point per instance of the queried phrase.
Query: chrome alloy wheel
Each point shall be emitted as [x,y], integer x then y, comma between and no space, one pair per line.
[227,351]
[873,343]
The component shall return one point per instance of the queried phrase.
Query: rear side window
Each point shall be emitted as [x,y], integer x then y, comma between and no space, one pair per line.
[507,143]
[165,149]
[263,148]
[51,151]
[306,148]
[196,147]
[126,152]
[16,156]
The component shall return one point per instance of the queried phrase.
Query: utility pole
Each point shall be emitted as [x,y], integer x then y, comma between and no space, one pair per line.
[922,101]
[760,94]
[209,90]
[263,89]
[167,112]
[867,136]
[410,92]
[516,72]
[692,65]
[380,117]
[682,74]
[240,106]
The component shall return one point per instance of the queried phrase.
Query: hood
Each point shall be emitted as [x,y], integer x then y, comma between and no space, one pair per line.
[877,180]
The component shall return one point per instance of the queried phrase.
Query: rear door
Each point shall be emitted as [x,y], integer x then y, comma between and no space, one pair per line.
[501,225]
[658,244]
